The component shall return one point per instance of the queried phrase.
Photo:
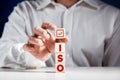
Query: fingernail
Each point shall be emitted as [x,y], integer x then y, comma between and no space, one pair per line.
[47,36]
[36,28]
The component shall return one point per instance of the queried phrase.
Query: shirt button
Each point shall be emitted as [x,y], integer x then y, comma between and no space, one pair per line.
[67,33]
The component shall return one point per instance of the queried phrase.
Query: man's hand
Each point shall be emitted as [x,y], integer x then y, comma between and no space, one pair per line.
[42,44]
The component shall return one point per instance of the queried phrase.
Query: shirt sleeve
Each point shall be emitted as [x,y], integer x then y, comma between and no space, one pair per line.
[112,50]
[13,39]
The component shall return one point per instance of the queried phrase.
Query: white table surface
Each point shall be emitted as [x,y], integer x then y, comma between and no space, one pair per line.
[82,73]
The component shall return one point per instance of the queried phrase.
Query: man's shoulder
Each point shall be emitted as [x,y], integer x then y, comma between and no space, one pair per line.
[109,8]
[30,4]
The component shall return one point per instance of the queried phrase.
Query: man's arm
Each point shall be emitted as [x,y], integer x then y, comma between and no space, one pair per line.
[112,50]
[14,37]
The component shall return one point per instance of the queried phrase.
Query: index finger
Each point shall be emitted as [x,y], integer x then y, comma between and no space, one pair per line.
[49,25]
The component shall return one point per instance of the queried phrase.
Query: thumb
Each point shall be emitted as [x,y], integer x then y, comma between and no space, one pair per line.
[62,40]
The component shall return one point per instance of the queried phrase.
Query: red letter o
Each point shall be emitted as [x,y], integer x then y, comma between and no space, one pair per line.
[60,68]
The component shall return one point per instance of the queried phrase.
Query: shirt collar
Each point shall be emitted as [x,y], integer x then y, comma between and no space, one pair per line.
[91,3]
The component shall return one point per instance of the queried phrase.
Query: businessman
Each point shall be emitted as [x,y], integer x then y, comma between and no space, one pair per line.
[93,29]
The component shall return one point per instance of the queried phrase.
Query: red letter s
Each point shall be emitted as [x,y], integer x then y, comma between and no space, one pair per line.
[60,59]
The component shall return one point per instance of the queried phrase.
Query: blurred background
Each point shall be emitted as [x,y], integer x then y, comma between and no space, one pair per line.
[6,7]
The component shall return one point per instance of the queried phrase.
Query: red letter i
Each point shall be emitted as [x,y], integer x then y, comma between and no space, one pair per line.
[60,47]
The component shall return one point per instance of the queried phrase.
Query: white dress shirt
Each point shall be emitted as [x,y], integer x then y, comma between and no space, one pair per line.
[92,26]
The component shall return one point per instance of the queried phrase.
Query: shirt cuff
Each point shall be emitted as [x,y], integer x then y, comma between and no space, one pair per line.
[26,58]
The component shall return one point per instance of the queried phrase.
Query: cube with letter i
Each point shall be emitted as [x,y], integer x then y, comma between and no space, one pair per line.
[60,51]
